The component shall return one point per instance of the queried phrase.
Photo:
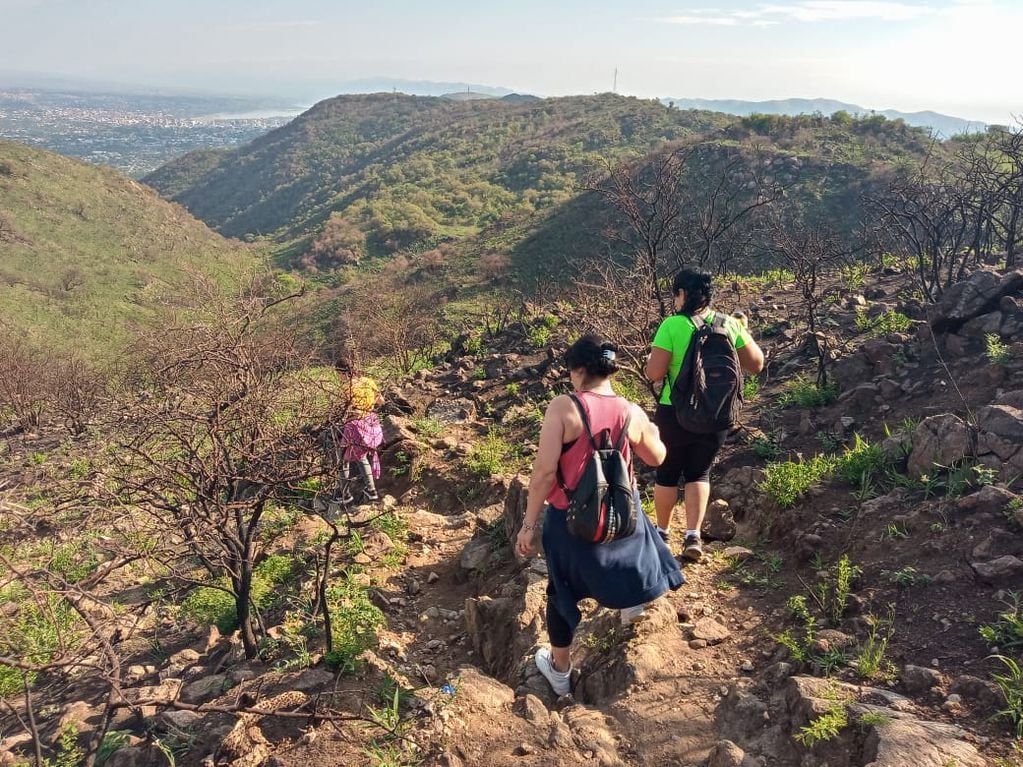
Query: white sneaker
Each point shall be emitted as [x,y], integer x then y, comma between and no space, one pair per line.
[560,681]
[632,615]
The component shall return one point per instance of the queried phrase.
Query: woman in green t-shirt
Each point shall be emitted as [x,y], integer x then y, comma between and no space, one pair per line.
[690,456]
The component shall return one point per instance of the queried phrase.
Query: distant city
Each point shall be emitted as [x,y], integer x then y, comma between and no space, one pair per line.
[133,133]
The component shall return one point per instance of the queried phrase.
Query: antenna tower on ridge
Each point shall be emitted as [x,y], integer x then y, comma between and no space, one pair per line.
[614,87]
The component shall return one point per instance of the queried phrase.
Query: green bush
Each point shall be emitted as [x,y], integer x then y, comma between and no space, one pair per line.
[355,622]
[871,661]
[1006,632]
[861,462]
[825,727]
[750,388]
[491,456]
[787,481]
[211,606]
[428,427]
[803,392]
[1010,686]
[889,322]
[997,351]
[208,605]
[764,448]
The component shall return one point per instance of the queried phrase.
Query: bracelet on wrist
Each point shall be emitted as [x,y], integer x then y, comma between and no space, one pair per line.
[530,526]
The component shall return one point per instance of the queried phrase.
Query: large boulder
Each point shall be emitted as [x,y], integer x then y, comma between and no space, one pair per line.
[851,370]
[1000,442]
[941,440]
[448,410]
[504,630]
[894,738]
[980,293]
[719,522]
[515,505]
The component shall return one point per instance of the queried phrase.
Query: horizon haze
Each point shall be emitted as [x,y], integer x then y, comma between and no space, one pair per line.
[949,56]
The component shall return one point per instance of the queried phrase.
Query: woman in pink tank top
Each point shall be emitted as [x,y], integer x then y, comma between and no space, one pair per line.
[623,574]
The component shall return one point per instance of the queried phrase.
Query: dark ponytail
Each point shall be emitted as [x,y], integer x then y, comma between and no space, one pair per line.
[699,289]
[593,353]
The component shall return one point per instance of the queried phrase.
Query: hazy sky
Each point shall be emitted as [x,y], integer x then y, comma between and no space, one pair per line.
[955,56]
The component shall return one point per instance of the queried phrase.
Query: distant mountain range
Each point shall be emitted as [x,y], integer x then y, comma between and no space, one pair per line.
[943,125]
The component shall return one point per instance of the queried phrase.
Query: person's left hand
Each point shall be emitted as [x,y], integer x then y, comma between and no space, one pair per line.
[525,543]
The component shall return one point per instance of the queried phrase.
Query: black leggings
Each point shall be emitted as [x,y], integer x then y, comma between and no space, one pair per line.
[690,455]
[557,628]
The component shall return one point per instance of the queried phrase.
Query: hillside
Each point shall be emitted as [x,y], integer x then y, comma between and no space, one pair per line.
[85,253]
[863,542]
[360,176]
[943,125]
[394,170]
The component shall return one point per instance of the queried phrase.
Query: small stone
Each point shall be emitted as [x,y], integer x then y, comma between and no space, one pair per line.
[180,720]
[746,667]
[432,577]
[697,644]
[919,679]
[739,553]
[710,630]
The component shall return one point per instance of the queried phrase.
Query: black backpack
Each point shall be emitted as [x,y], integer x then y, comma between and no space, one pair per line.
[707,395]
[602,507]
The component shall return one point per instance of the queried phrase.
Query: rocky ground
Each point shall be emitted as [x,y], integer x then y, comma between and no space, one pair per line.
[703,680]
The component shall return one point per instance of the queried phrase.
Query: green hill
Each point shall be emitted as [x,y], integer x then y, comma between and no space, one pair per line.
[358,175]
[86,254]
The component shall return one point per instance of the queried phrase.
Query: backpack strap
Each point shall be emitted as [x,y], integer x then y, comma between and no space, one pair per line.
[619,444]
[719,322]
[585,418]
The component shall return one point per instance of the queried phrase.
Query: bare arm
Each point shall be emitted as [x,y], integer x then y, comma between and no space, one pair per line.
[545,470]
[657,364]
[645,438]
[751,357]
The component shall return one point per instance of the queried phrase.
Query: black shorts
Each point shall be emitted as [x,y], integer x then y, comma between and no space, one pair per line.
[690,456]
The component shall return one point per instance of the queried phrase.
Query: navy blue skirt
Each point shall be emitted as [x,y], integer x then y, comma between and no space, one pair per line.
[624,573]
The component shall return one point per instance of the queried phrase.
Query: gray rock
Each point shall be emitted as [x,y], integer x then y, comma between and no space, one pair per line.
[178,720]
[726,754]
[1004,420]
[396,429]
[135,756]
[980,690]
[311,680]
[979,293]
[710,631]
[941,440]
[503,630]
[902,742]
[480,693]
[851,370]
[740,715]
[982,325]
[532,709]
[989,499]
[450,410]
[719,523]
[919,679]
[515,505]
[205,689]
[860,397]
[1010,398]
[739,553]
[476,556]
[1003,569]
